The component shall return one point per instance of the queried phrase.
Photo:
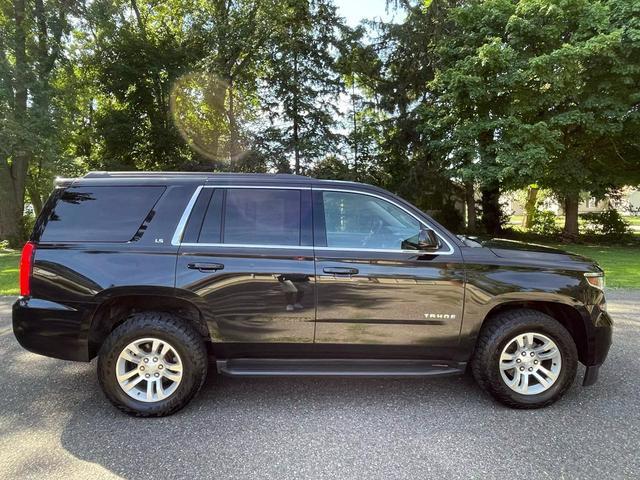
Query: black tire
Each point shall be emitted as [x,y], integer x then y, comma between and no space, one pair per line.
[188,343]
[493,338]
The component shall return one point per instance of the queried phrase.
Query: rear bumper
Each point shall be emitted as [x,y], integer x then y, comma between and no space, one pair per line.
[51,329]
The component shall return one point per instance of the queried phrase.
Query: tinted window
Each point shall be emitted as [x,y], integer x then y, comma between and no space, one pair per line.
[360,221]
[212,225]
[100,214]
[262,217]
[194,225]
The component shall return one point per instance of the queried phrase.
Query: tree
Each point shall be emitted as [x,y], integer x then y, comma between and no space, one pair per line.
[468,98]
[236,34]
[302,83]
[575,97]
[31,49]
[136,50]
[397,83]
[537,91]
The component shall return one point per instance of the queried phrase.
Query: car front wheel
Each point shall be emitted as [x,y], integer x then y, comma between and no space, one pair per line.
[525,359]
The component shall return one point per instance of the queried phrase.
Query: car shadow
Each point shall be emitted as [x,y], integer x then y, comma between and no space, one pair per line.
[266,427]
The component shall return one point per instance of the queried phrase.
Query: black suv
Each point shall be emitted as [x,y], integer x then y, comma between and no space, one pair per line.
[162,274]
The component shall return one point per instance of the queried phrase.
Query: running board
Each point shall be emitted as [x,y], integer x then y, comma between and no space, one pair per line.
[250,367]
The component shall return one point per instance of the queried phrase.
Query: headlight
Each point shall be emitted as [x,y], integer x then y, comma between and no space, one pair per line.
[596,279]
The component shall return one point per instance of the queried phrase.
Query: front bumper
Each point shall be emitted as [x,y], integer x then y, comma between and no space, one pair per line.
[599,338]
[51,329]
[590,375]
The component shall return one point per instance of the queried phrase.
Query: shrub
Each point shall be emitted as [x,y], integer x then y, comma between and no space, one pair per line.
[449,216]
[608,222]
[543,222]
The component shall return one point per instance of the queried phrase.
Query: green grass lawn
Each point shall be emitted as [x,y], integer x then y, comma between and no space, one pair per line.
[516,220]
[9,261]
[621,264]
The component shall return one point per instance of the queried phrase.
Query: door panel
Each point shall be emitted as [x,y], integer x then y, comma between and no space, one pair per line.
[251,265]
[371,292]
[394,299]
[264,296]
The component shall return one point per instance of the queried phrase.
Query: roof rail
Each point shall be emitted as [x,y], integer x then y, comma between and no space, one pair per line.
[105,174]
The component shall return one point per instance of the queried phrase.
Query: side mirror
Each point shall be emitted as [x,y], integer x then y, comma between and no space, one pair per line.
[425,240]
[428,240]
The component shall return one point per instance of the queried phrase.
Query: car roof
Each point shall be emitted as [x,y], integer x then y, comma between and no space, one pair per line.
[104,178]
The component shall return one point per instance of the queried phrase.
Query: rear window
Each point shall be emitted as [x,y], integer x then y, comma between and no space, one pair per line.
[100,214]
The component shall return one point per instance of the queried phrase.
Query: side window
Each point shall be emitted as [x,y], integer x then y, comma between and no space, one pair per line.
[194,224]
[262,217]
[100,214]
[354,220]
[205,220]
[211,231]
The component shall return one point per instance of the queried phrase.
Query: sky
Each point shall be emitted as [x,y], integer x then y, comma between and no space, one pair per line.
[356,10]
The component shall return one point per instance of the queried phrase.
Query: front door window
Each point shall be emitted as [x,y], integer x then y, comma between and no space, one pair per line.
[360,221]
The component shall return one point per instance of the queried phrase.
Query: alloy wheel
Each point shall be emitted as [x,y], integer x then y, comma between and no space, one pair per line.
[149,369]
[530,363]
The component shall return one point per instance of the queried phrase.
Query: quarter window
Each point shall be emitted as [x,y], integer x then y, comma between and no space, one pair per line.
[100,214]
[354,220]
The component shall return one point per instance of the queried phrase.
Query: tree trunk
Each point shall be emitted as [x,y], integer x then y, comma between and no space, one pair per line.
[491,211]
[13,176]
[571,202]
[10,209]
[355,129]
[470,200]
[34,196]
[530,207]
[234,147]
[296,146]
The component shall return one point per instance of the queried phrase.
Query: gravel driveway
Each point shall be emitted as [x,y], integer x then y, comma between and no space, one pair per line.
[55,423]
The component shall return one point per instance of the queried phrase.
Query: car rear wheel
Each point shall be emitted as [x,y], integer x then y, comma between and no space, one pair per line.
[525,359]
[152,364]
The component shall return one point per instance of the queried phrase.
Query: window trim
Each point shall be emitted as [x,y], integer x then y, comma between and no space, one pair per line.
[176,240]
[177,236]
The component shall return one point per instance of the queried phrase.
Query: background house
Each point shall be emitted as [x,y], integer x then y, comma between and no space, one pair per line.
[626,201]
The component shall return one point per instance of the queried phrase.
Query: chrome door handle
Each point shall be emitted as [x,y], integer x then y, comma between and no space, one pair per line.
[340,270]
[206,267]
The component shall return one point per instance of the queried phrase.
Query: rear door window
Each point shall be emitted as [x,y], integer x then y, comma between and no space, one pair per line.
[100,214]
[262,217]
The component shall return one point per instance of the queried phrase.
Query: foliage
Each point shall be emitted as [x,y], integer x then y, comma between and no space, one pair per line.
[543,222]
[490,95]
[538,90]
[450,217]
[608,222]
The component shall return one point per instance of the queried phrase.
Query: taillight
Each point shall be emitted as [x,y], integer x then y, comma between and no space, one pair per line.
[26,266]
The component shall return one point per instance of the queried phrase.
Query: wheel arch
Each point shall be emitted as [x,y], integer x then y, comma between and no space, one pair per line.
[115,309]
[568,316]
